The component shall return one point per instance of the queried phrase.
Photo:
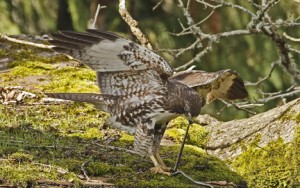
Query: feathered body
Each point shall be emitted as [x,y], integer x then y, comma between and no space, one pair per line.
[138,87]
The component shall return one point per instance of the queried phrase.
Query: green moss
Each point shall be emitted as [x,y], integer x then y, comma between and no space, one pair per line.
[89,134]
[179,122]
[275,165]
[30,61]
[3,53]
[197,135]
[66,119]
[175,134]
[26,173]
[99,168]
[288,116]
[296,117]
[124,139]
[31,68]
[20,157]
[66,79]
[72,79]
[45,141]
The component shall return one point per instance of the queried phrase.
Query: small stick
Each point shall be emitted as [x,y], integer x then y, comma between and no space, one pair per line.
[93,26]
[192,180]
[84,171]
[26,42]
[181,148]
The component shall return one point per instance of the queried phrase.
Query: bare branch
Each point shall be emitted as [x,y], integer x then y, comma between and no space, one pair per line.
[196,58]
[260,81]
[133,25]
[195,30]
[262,13]
[281,95]
[241,107]
[286,59]
[260,22]
[239,7]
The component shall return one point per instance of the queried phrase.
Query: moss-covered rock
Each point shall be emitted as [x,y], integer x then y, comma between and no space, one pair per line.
[197,134]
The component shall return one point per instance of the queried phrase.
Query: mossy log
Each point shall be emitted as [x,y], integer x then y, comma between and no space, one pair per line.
[227,139]
[264,149]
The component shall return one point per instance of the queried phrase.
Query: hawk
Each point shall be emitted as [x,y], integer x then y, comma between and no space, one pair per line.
[139,88]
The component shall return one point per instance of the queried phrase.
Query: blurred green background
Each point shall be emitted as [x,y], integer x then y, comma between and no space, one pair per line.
[250,55]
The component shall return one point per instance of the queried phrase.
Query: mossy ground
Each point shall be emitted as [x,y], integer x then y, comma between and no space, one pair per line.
[52,142]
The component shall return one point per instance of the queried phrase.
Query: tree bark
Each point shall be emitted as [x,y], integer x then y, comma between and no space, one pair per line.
[228,138]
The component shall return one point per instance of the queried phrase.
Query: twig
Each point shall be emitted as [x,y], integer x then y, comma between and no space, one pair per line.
[84,171]
[191,179]
[286,60]
[181,148]
[281,95]
[192,46]
[206,4]
[262,13]
[133,25]
[228,4]
[254,4]
[260,81]
[93,25]
[157,5]
[26,42]
[185,29]
[294,50]
[291,38]
[230,103]
[196,58]
[195,30]
[59,169]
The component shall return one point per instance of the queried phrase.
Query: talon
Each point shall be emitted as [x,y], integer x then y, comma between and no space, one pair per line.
[162,170]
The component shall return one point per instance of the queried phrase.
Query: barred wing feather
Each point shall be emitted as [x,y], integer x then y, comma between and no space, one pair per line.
[107,52]
[224,84]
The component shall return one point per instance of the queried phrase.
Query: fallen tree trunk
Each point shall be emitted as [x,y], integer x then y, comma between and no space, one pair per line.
[228,138]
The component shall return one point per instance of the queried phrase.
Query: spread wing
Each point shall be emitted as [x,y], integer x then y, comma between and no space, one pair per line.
[122,66]
[224,84]
[107,52]
[133,74]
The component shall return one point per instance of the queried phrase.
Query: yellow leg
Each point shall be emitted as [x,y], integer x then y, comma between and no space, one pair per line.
[159,165]
[159,160]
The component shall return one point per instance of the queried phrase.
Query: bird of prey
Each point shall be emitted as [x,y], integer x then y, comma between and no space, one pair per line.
[139,88]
